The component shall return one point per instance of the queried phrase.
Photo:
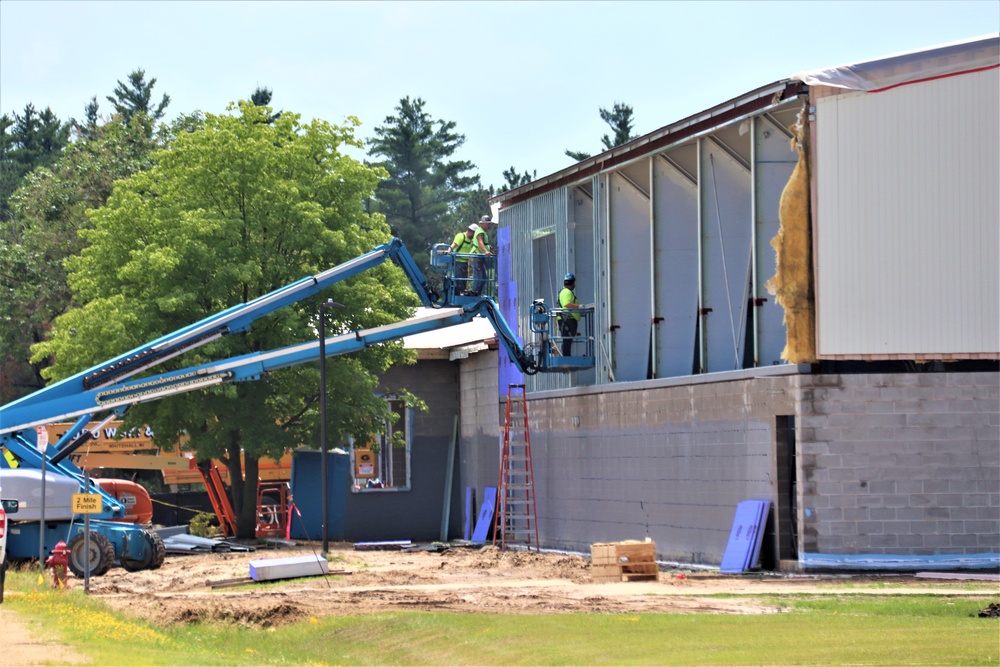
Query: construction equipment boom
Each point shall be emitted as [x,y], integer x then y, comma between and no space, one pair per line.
[109,389]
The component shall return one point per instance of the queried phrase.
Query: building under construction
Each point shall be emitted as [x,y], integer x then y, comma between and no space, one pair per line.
[795,300]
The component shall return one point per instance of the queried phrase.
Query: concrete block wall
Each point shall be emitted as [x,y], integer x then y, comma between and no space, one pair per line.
[480,424]
[903,464]
[668,461]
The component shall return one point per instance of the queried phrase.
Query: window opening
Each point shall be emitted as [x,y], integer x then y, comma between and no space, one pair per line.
[383,462]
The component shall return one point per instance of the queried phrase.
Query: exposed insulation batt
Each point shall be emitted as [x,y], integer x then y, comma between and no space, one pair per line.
[792,284]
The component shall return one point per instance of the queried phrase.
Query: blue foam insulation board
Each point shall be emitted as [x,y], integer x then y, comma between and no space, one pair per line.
[485,515]
[743,549]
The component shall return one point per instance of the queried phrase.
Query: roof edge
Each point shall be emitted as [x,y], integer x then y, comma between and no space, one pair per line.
[721,114]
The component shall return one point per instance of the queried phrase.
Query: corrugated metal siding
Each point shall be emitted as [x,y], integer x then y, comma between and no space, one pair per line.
[907,228]
[526,220]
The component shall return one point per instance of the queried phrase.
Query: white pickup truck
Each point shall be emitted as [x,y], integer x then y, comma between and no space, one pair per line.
[6,507]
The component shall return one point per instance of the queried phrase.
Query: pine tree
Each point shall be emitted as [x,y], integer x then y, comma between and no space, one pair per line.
[261,97]
[620,120]
[135,97]
[421,196]
[514,180]
[28,141]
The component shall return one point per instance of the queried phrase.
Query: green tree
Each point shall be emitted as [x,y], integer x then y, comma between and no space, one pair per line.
[261,97]
[47,212]
[135,97]
[27,141]
[620,120]
[231,211]
[88,129]
[425,186]
[513,180]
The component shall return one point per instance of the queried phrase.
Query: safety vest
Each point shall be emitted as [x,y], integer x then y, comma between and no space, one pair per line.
[475,240]
[463,245]
[566,297]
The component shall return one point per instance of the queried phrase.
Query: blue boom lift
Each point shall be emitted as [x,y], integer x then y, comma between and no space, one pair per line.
[108,390]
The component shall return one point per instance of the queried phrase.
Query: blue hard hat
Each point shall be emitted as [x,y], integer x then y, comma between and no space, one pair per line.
[569,278]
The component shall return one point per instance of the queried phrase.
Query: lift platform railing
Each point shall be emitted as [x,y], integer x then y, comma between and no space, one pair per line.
[559,352]
[465,274]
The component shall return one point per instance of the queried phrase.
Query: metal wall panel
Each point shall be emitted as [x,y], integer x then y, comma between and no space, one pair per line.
[580,253]
[603,361]
[531,222]
[773,161]
[675,263]
[726,222]
[907,228]
[631,277]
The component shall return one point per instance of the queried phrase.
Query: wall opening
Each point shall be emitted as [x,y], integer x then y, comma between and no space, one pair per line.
[545,278]
[383,463]
[787,529]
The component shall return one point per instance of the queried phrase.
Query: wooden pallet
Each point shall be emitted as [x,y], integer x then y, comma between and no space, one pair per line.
[623,561]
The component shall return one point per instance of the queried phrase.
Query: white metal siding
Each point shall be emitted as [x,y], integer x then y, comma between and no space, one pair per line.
[908,221]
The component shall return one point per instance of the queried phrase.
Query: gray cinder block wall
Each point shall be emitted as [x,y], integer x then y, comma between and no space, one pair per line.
[481,421]
[664,460]
[900,464]
[892,464]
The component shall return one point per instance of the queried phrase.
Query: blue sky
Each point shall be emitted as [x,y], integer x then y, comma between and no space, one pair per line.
[523,81]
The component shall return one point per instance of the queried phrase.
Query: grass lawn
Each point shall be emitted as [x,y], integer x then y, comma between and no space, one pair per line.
[843,629]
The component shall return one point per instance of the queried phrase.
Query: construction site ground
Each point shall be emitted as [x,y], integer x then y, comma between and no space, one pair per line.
[482,580]
[215,587]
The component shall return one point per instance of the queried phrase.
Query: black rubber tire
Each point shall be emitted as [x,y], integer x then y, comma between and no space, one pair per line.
[159,550]
[3,577]
[153,554]
[101,558]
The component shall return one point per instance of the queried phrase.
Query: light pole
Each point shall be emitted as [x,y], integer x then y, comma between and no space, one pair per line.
[329,303]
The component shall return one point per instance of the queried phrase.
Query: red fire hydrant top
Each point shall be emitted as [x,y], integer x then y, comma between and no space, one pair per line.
[58,561]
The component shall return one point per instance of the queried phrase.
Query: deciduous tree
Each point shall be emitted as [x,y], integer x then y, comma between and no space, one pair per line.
[47,212]
[232,210]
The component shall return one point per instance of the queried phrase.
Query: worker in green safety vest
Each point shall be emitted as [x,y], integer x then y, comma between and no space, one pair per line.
[568,321]
[463,245]
[481,246]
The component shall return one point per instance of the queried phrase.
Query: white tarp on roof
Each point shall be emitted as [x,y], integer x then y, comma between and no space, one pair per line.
[945,60]
[476,331]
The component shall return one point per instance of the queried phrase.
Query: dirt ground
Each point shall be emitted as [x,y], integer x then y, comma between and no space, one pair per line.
[469,580]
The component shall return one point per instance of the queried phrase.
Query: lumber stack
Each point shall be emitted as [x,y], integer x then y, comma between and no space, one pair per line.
[623,561]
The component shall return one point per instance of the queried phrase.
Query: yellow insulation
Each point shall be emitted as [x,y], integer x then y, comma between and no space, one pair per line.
[792,284]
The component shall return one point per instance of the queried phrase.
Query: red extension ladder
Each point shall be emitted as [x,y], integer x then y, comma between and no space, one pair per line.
[515,513]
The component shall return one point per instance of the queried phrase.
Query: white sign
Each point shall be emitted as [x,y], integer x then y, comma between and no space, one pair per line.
[42,438]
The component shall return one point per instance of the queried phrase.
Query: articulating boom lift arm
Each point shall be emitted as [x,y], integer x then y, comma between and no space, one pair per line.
[109,388]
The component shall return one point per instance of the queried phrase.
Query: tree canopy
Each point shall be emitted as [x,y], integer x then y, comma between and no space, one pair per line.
[513,179]
[136,97]
[621,122]
[47,213]
[28,140]
[425,186]
[231,210]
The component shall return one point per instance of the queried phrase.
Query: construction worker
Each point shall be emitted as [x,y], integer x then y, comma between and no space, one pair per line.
[568,321]
[481,246]
[463,245]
